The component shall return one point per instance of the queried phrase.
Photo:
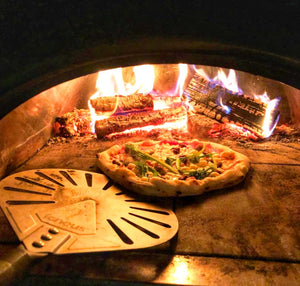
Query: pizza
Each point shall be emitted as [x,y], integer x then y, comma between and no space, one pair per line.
[173,168]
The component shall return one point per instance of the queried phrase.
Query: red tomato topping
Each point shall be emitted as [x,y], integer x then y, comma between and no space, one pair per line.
[146,143]
[170,142]
[197,145]
[211,149]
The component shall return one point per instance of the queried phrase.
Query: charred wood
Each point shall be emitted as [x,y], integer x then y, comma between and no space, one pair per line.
[121,104]
[123,122]
[225,106]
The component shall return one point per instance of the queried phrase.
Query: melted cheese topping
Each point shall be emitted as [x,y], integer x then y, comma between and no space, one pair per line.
[173,160]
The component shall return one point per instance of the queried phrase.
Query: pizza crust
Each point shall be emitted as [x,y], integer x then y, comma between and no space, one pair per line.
[157,186]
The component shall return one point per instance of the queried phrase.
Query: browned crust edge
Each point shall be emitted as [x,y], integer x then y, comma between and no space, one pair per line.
[170,188]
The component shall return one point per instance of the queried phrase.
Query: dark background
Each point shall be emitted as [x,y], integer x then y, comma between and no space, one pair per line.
[43,43]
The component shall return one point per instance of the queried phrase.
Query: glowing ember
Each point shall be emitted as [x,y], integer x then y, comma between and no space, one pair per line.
[230,129]
[178,125]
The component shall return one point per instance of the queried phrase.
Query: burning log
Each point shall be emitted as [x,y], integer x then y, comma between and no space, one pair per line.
[202,126]
[121,104]
[225,106]
[139,119]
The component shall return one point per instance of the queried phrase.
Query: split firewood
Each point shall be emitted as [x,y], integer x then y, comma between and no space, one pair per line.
[139,119]
[225,106]
[121,104]
[198,125]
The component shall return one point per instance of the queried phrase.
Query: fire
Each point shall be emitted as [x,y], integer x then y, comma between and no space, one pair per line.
[144,76]
[108,83]
[272,117]
[230,83]
[111,83]
[139,80]
[183,71]
[172,98]
[201,72]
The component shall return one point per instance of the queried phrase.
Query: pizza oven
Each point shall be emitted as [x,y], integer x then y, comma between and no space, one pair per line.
[226,74]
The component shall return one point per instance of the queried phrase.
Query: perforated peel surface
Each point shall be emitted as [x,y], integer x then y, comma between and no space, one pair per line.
[71,211]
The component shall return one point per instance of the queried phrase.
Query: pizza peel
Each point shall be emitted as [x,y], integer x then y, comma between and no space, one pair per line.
[62,211]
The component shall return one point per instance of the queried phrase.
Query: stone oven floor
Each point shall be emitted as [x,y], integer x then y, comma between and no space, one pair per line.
[245,235]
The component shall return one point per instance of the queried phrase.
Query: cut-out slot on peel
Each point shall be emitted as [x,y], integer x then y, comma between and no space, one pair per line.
[119,232]
[150,210]
[68,177]
[151,220]
[139,227]
[108,185]
[48,178]
[33,183]
[13,189]
[11,202]
[89,179]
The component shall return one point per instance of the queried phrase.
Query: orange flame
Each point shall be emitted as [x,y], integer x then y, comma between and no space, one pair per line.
[202,73]
[183,71]
[144,77]
[111,83]
[229,82]
[172,97]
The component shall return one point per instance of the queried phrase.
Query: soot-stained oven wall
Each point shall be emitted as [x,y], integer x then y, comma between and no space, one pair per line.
[28,127]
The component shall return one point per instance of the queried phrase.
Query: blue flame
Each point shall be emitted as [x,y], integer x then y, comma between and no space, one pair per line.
[226,109]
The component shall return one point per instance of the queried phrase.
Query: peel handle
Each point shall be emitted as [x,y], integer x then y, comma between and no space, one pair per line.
[14,262]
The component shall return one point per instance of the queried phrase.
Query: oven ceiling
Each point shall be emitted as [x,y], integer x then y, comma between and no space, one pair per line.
[47,42]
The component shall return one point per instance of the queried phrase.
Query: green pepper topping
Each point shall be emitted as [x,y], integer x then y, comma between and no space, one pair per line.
[143,169]
[200,174]
[138,154]
[170,160]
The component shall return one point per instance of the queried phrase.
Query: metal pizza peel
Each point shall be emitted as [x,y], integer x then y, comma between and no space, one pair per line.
[63,211]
